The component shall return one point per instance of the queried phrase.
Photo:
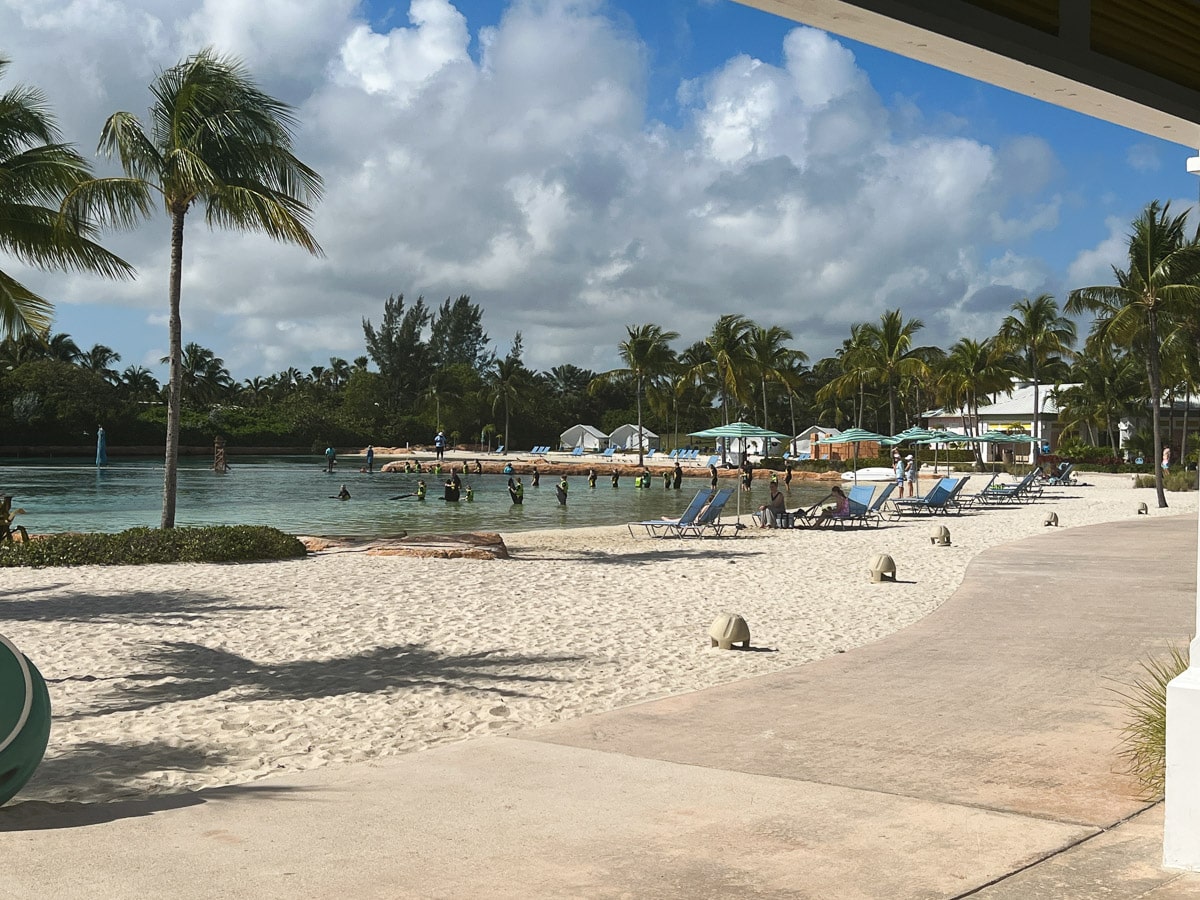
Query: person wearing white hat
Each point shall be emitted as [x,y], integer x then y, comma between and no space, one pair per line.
[910,474]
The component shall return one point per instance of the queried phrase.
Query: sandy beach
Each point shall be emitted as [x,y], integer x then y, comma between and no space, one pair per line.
[166,679]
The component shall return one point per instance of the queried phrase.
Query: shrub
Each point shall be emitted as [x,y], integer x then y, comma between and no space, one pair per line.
[140,546]
[1144,737]
[1172,481]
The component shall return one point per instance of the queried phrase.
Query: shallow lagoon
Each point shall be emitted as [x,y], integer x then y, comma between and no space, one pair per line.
[295,494]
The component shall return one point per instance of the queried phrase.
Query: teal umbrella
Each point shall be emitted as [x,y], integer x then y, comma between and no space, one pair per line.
[737,430]
[854,436]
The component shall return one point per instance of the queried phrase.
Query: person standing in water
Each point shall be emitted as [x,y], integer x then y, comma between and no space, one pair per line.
[616,476]
[712,471]
[370,458]
[330,459]
[537,476]
[561,490]
[591,478]
[666,479]
[420,489]
[678,476]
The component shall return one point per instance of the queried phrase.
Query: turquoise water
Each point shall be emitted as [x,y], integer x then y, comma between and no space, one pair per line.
[295,494]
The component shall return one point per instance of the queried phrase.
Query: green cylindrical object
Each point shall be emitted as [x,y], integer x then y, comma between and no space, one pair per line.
[24,719]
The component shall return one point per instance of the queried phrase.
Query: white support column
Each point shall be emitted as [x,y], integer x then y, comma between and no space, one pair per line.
[1181,829]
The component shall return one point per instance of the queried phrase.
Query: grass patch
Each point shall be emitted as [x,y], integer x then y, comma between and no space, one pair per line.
[142,546]
[1143,748]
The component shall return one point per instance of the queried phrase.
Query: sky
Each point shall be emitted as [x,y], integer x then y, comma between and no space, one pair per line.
[580,166]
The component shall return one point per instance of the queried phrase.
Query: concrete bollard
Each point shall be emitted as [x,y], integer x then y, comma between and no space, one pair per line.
[883,567]
[939,535]
[728,629]
[1051,519]
[1143,509]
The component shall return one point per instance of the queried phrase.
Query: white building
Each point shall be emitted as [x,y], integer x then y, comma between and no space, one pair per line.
[584,436]
[626,438]
[1011,413]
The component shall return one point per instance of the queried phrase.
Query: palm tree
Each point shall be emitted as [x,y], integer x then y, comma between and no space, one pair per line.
[1042,340]
[972,369]
[883,354]
[508,376]
[137,383]
[1161,281]
[218,141]
[770,359]
[37,172]
[648,356]
[100,359]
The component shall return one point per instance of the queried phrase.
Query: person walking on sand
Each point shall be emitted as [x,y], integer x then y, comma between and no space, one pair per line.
[712,471]
[439,445]
[787,478]
[910,474]
[370,458]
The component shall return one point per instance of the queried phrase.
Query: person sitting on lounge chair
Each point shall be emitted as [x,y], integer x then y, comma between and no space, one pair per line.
[841,508]
[772,512]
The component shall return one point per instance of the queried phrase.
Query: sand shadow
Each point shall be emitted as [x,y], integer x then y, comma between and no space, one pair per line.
[184,671]
[144,607]
[42,815]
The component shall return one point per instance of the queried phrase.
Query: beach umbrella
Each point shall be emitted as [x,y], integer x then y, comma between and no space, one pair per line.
[935,437]
[101,447]
[738,430]
[854,436]
[913,434]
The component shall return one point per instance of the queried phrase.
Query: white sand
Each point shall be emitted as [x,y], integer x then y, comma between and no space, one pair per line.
[168,678]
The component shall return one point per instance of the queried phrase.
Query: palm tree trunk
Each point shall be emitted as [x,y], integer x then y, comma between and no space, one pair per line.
[764,425]
[1187,403]
[639,412]
[1037,420]
[174,397]
[891,407]
[1153,375]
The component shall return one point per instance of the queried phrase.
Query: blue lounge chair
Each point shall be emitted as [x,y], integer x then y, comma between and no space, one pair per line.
[873,513]
[672,454]
[499,449]
[941,499]
[608,453]
[578,451]
[650,452]
[1025,491]
[664,527]
[708,522]
[979,496]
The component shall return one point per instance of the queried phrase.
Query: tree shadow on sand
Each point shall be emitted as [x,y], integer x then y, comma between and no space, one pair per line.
[666,551]
[143,607]
[184,671]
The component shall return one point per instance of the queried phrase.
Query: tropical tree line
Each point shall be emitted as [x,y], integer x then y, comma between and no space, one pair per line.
[215,142]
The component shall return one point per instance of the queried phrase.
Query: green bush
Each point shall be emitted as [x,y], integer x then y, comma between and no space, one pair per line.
[1174,480]
[1144,737]
[140,546]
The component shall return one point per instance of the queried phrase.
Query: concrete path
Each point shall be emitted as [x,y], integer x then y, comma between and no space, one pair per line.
[970,754]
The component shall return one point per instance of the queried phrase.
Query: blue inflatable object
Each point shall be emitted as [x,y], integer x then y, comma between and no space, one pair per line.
[24,719]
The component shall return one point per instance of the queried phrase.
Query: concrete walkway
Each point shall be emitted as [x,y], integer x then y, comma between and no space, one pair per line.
[972,754]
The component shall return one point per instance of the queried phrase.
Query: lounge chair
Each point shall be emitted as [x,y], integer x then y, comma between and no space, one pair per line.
[672,454]
[578,451]
[1025,491]
[499,449]
[940,499]
[1062,476]
[968,500]
[860,504]
[650,452]
[708,521]
[873,514]
[665,527]
[607,454]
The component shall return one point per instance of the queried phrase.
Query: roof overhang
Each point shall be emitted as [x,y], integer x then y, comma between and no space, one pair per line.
[1130,62]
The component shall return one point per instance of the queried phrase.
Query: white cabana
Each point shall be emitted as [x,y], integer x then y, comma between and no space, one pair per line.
[626,438]
[802,444]
[584,436]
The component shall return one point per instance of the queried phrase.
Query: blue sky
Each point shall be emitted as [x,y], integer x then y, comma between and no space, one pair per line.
[577,166]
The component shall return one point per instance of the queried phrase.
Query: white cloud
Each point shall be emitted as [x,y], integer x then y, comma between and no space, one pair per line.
[1093,266]
[529,177]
